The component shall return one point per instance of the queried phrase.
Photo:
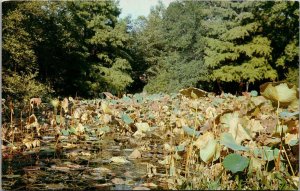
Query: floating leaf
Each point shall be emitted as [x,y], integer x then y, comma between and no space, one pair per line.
[105,108]
[72,130]
[228,141]
[60,119]
[104,129]
[203,140]
[254,93]
[119,159]
[118,181]
[286,114]
[217,101]
[126,119]
[291,139]
[240,134]
[138,98]
[143,127]
[65,132]
[135,154]
[191,131]
[180,148]
[258,100]
[141,188]
[126,99]
[235,163]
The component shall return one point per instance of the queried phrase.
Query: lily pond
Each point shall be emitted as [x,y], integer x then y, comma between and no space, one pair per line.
[189,140]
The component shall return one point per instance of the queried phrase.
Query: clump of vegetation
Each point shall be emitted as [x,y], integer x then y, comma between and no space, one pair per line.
[23,87]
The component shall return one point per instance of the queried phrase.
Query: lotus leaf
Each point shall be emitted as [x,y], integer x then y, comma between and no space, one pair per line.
[281,93]
[126,119]
[235,163]
[228,141]
[143,127]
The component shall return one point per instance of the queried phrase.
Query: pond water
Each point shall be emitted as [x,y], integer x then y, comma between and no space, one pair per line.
[84,166]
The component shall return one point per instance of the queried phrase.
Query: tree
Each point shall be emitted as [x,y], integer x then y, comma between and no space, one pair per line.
[20,67]
[75,47]
[105,42]
[280,22]
[180,36]
[236,49]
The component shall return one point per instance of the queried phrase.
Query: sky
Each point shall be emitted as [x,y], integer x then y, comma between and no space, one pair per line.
[138,7]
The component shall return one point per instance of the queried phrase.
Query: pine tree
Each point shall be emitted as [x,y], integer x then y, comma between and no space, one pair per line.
[236,50]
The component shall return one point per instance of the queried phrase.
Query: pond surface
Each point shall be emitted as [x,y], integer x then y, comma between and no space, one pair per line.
[85,166]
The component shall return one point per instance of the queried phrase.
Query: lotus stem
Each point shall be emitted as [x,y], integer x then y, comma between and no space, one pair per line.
[288,161]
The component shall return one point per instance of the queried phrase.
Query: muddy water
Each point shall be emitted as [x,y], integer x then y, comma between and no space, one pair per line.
[86,166]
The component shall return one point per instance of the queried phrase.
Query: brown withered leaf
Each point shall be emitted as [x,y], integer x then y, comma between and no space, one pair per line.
[193,93]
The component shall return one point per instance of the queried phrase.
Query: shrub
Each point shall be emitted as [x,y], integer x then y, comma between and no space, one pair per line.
[22,87]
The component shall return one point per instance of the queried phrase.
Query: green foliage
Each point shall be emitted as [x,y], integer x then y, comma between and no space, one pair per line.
[180,65]
[238,52]
[23,87]
[293,76]
[83,48]
[235,162]
[76,47]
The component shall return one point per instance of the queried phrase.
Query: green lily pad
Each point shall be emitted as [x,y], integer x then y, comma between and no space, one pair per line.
[58,118]
[126,119]
[65,132]
[126,99]
[254,93]
[105,129]
[217,101]
[179,148]
[235,163]
[138,98]
[286,114]
[72,130]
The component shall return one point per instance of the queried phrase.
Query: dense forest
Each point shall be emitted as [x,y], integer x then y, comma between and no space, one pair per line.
[77,48]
